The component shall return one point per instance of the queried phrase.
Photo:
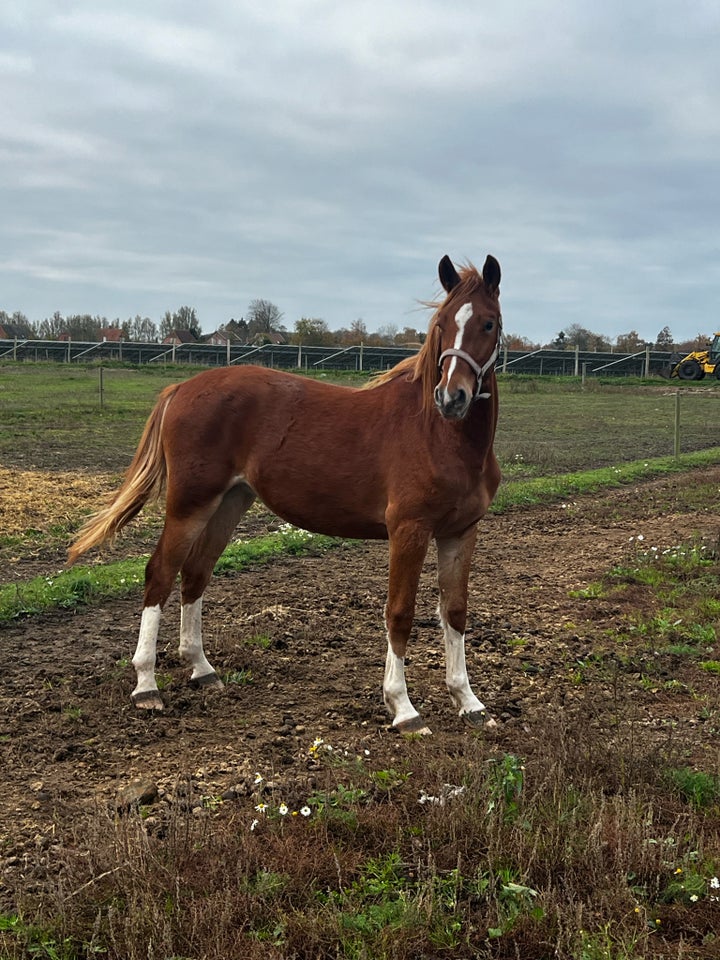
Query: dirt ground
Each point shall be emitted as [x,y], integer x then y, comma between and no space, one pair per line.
[302,643]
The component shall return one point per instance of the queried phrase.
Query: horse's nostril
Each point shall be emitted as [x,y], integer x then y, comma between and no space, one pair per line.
[438,395]
[460,396]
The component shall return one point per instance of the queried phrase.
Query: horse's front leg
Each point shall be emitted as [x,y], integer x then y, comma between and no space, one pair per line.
[408,546]
[454,562]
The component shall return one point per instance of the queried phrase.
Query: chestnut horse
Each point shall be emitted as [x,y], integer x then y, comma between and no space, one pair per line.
[407,458]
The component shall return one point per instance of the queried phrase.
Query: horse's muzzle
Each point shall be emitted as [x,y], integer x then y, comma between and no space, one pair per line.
[453,405]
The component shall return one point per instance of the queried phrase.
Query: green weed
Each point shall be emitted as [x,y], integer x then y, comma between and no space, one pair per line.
[700,789]
[243,677]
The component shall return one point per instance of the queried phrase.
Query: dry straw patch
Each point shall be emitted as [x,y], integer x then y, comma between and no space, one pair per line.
[39,500]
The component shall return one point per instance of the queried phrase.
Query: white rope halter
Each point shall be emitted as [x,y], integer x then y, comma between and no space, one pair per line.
[478,370]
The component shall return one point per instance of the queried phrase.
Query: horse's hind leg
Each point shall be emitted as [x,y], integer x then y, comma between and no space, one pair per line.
[175,541]
[196,572]
[454,561]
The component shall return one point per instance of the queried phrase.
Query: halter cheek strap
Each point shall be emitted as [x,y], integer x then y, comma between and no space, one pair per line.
[478,370]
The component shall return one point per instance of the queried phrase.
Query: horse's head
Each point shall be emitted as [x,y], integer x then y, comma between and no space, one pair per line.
[469,328]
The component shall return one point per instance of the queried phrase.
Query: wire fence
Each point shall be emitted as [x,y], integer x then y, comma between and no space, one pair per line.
[358,357]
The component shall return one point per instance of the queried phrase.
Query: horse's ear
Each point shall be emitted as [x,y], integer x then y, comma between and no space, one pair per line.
[448,274]
[491,274]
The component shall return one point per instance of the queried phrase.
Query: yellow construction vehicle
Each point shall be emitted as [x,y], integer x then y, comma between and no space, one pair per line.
[700,362]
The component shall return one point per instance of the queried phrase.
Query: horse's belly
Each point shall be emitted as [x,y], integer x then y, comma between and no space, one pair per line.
[331,512]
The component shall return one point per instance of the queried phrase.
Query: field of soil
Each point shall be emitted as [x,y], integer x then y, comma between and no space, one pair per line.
[301,642]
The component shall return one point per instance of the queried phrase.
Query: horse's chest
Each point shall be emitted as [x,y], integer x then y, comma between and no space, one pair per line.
[463,498]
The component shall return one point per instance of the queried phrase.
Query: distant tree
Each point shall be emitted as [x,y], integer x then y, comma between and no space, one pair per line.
[664,339]
[514,341]
[359,331]
[17,319]
[20,323]
[578,336]
[629,342]
[142,329]
[699,342]
[409,335]
[242,329]
[559,343]
[312,331]
[342,337]
[166,325]
[385,335]
[81,326]
[52,327]
[264,317]
[184,318]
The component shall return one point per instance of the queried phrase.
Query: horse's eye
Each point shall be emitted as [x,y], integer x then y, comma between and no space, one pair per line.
[489,325]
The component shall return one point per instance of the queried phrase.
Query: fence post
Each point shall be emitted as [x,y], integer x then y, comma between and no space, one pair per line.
[102,391]
[577,359]
[676,438]
[647,360]
[505,355]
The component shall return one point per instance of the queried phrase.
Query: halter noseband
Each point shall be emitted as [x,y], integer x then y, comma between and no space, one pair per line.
[478,370]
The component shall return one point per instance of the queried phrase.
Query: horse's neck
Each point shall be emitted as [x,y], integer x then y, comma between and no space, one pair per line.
[481,422]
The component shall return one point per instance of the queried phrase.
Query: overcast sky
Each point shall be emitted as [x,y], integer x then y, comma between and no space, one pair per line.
[324,155]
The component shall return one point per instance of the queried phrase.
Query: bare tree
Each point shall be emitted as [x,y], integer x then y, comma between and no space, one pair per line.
[184,318]
[142,329]
[264,317]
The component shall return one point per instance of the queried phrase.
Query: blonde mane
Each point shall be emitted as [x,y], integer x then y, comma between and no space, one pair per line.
[423,365]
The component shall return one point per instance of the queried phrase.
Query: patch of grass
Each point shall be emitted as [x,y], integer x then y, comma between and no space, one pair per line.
[681,614]
[700,789]
[549,489]
[551,425]
[85,584]
[287,540]
[36,941]
[241,677]
[711,666]
[70,588]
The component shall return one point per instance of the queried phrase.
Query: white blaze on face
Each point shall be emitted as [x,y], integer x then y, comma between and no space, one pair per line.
[461,318]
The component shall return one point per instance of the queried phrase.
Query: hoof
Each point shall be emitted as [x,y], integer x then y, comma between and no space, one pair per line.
[479,718]
[208,680]
[148,700]
[415,726]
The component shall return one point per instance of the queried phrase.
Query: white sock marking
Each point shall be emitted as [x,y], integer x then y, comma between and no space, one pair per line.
[456,676]
[144,657]
[191,645]
[395,689]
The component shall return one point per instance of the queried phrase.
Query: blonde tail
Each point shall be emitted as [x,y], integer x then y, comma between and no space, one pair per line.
[144,481]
